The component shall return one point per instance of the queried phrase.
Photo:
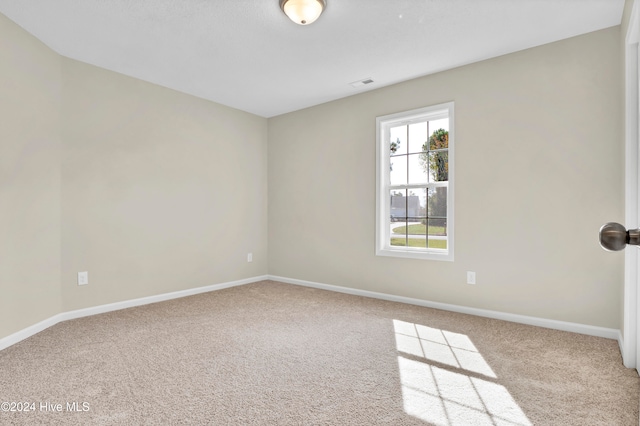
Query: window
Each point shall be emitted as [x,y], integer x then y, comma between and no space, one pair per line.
[414,214]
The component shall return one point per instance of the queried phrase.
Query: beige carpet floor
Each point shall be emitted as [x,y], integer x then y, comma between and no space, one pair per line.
[275,354]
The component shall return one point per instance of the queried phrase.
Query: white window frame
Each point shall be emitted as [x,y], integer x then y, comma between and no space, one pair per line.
[383,187]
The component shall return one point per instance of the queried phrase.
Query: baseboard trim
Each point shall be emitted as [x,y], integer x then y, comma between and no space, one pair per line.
[18,336]
[157,298]
[590,330]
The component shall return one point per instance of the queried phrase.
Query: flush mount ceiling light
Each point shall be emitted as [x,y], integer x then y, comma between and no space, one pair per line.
[303,12]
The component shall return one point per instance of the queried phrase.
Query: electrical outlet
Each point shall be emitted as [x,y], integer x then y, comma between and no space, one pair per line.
[471,277]
[83,278]
[250,257]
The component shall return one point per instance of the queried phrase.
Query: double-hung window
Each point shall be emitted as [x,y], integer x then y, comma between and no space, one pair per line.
[414,215]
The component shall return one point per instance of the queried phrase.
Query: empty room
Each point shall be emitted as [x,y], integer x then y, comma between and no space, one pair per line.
[319,212]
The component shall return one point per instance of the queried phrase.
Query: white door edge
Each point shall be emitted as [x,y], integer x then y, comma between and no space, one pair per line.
[630,351]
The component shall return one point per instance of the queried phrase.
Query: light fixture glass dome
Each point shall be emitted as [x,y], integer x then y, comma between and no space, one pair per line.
[303,12]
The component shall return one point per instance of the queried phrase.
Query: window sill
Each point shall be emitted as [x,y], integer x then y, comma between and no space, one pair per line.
[407,253]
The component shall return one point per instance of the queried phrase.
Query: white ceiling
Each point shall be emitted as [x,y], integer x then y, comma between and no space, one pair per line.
[247,54]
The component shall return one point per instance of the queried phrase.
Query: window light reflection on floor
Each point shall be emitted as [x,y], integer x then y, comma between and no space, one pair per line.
[453,394]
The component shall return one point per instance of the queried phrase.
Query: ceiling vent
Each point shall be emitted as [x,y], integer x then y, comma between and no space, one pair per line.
[362,82]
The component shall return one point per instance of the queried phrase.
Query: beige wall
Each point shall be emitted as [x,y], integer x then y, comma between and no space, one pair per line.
[29,180]
[148,189]
[154,191]
[626,15]
[539,168]
[162,191]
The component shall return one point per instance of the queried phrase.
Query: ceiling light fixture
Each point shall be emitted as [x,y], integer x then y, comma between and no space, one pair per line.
[303,12]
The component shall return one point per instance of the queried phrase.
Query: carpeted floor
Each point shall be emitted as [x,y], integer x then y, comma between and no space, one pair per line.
[276,354]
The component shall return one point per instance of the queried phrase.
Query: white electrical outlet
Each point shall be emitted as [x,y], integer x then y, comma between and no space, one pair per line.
[250,257]
[471,277]
[83,278]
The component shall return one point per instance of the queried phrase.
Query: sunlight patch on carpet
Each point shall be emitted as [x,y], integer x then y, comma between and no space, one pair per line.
[451,394]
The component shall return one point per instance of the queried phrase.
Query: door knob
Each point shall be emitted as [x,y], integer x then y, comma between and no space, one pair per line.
[615,237]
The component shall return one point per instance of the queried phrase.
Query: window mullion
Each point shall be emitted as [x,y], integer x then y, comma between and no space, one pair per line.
[406,194]
[419,185]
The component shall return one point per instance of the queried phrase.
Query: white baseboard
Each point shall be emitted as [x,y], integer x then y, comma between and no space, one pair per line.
[590,330]
[18,336]
[157,298]
[608,333]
